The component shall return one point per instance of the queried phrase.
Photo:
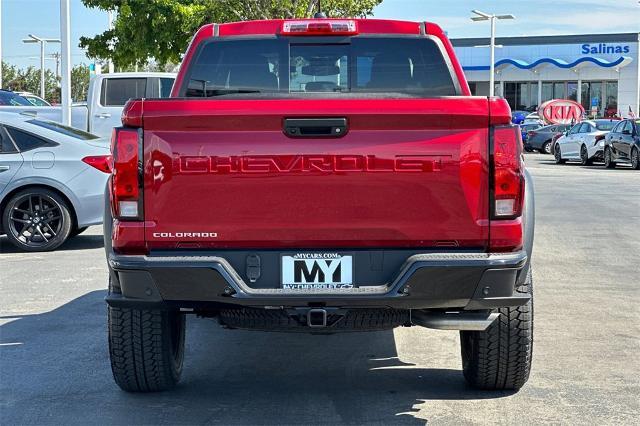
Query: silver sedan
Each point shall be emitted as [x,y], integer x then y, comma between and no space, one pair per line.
[52,181]
[584,142]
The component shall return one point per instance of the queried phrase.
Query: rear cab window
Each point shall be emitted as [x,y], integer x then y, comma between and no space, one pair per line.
[400,66]
[166,84]
[117,91]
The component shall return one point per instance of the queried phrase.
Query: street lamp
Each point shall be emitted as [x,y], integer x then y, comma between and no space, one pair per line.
[43,42]
[481,16]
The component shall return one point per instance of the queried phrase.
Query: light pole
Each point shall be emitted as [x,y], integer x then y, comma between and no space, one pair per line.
[43,42]
[110,61]
[481,16]
[65,53]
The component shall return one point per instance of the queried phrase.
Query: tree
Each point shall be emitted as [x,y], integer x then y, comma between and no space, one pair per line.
[161,29]
[28,80]
[9,73]
[79,82]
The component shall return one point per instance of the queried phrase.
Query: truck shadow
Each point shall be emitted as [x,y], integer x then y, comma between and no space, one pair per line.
[54,369]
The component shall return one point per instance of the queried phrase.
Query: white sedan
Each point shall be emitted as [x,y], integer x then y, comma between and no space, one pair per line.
[52,181]
[584,142]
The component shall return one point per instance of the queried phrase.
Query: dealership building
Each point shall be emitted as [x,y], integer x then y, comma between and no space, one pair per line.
[600,71]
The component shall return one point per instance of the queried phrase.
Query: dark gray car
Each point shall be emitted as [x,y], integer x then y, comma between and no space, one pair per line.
[540,139]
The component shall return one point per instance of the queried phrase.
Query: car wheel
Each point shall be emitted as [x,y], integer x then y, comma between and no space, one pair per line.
[558,155]
[608,160]
[584,156]
[546,148]
[146,348]
[499,358]
[37,219]
[635,158]
[78,231]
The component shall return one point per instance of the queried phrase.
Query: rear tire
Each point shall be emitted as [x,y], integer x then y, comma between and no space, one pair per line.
[37,219]
[546,148]
[557,154]
[146,348]
[608,160]
[635,158]
[499,358]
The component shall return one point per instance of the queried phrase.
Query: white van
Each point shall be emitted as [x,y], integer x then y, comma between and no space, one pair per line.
[106,97]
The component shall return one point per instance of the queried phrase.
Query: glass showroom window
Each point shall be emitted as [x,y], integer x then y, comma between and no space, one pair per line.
[572,90]
[521,95]
[547,91]
[534,95]
[559,91]
[611,95]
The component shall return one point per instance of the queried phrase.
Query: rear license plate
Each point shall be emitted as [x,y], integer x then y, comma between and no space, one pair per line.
[317,271]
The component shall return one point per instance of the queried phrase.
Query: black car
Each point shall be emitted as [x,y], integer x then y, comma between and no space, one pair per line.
[9,98]
[622,144]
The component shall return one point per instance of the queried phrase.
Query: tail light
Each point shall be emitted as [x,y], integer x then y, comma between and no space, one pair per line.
[319,27]
[126,178]
[598,139]
[508,173]
[531,133]
[100,162]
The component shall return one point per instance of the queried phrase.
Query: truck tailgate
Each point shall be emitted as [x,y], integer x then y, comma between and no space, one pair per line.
[406,173]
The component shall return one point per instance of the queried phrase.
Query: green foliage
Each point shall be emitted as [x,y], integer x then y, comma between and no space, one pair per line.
[28,80]
[161,29]
[79,82]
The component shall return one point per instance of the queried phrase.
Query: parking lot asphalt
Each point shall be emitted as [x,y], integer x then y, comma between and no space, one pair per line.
[54,366]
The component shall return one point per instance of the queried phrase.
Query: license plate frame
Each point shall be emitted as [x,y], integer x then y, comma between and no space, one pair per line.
[316,265]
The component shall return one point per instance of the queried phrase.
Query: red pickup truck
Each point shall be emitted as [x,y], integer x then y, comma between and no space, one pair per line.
[319,175]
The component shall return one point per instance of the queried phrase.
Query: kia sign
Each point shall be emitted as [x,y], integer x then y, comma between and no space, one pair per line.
[560,111]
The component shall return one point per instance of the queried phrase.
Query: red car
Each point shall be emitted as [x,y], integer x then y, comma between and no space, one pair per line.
[319,175]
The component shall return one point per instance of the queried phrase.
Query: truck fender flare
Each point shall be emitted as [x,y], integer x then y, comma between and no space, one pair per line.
[107,227]
[529,222]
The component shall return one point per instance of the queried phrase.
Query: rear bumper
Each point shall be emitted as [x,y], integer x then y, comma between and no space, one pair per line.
[470,281]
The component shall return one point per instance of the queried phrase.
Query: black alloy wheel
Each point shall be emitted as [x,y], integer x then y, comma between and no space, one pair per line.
[37,220]
[608,161]
[635,158]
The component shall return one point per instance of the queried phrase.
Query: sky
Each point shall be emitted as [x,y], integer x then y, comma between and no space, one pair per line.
[539,17]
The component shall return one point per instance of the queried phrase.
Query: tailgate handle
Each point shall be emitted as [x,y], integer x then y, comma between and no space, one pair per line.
[315,127]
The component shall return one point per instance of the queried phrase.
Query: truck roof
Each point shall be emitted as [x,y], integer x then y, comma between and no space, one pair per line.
[323,27]
[364,26]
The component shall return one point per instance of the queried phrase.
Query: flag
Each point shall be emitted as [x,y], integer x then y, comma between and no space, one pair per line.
[631,114]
